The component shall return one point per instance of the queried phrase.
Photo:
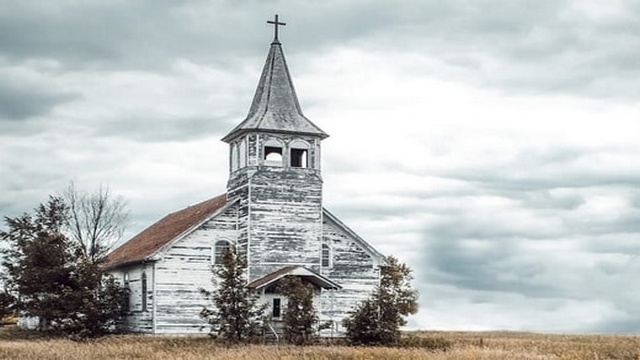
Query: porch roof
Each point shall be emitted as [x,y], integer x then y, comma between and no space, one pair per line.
[300,271]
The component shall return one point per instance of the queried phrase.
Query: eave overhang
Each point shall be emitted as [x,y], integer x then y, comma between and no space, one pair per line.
[300,271]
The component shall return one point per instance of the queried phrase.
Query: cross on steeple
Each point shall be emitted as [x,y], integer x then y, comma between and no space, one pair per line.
[275,26]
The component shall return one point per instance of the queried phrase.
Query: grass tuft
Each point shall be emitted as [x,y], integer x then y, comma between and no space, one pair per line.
[431,343]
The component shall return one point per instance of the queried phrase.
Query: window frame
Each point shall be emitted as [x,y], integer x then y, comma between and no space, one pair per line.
[299,153]
[276,308]
[216,259]
[234,157]
[143,291]
[126,284]
[242,153]
[326,249]
[272,146]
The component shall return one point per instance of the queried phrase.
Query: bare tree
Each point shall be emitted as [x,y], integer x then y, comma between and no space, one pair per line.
[96,220]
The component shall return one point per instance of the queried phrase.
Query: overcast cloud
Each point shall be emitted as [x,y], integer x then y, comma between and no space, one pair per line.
[492,145]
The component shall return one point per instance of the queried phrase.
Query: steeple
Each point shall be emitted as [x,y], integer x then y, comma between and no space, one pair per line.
[275,107]
[275,175]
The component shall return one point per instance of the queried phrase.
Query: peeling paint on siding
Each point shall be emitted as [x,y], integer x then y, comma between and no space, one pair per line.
[353,269]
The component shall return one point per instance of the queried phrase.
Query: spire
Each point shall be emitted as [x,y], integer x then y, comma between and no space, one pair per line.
[275,106]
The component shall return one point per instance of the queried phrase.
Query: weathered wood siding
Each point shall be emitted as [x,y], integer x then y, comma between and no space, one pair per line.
[238,189]
[185,268]
[280,207]
[285,220]
[137,319]
[353,268]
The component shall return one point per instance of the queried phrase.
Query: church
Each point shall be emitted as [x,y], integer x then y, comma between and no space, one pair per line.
[271,212]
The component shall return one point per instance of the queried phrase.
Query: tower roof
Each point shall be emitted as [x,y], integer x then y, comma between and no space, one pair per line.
[275,106]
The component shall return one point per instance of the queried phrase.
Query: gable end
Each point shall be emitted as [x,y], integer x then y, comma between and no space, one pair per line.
[162,233]
[375,254]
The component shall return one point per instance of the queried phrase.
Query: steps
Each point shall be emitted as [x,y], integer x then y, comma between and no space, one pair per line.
[270,334]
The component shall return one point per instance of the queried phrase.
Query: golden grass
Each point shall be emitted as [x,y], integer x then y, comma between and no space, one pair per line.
[465,345]
[519,345]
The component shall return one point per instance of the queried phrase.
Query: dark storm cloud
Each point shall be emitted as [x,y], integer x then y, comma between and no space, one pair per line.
[541,46]
[165,128]
[560,254]
[150,34]
[530,268]
[20,100]
[467,226]
[141,34]
[524,46]
[493,266]
[549,168]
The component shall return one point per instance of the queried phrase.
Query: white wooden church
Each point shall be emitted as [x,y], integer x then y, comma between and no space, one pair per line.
[272,212]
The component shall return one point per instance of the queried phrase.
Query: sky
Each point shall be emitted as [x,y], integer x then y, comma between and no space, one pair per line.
[493,146]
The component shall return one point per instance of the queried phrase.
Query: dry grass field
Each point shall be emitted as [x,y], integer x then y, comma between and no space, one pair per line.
[463,345]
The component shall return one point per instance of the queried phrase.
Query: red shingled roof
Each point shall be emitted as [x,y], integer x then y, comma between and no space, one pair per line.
[146,243]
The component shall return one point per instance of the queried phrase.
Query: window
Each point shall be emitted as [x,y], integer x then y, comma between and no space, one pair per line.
[273,153]
[234,157]
[299,155]
[125,283]
[242,151]
[276,308]
[326,255]
[219,249]
[299,158]
[143,291]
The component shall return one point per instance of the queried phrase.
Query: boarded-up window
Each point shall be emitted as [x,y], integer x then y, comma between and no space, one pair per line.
[276,308]
[326,255]
[143,291]
[242,152]
[234,157]
[125,283]
[220,247]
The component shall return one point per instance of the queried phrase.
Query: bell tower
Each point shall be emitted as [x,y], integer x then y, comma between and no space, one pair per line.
[275,174]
